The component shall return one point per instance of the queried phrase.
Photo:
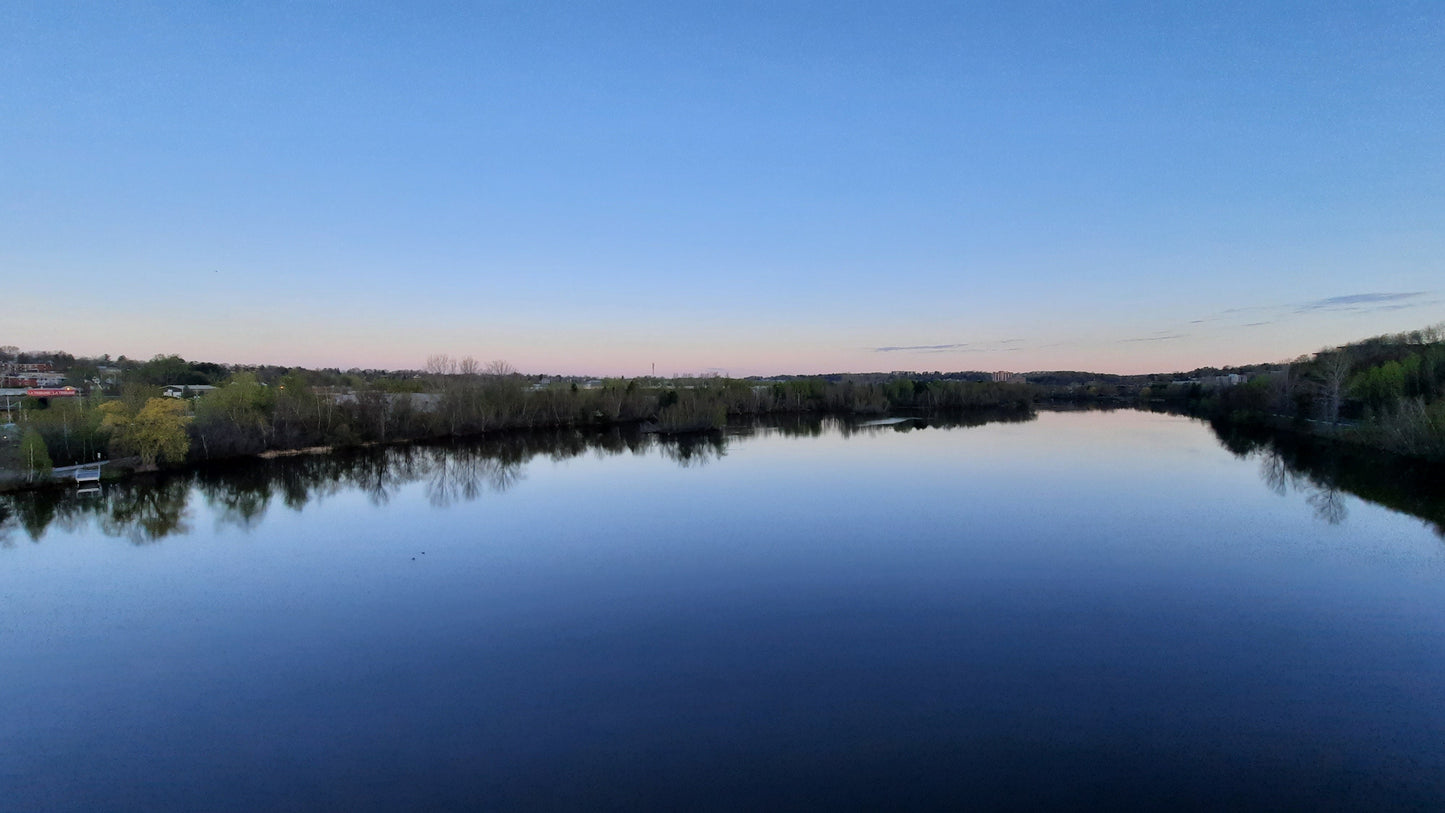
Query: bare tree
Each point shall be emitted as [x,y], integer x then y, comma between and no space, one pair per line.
[1336,371]
[441,364]
[1283,383]
[1329,504]
[1276,473]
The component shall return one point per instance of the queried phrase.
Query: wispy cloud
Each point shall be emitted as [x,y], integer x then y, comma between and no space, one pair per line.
[912,347]
[1361,302]
[1371,302]
[1159,338]
[1002,346]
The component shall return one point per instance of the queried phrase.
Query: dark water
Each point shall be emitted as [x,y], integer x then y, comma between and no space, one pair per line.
[1083,610]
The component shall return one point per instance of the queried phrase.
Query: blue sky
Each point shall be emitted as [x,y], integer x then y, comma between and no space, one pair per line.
[750,188]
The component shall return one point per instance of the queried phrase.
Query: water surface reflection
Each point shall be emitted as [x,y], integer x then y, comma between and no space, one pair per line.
[146,509]
[1104,607]
[1326,472]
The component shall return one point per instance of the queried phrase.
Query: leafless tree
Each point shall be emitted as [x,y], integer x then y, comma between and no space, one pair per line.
[1335,368]
[1329,504]
[1276,473]
[1283,385]
[441,364]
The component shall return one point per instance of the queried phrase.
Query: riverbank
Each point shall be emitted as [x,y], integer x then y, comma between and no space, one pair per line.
[677,430]
[151,500]
[245,416]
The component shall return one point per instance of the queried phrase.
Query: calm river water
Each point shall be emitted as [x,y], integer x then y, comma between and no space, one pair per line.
[1084,609]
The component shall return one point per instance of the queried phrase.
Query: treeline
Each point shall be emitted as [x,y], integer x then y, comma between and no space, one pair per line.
[1386,392]
[250,412]
[109,376]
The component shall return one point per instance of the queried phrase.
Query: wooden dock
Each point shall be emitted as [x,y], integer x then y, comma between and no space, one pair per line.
[84,474]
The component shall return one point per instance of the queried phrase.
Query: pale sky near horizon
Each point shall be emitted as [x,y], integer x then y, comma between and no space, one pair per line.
[750,188]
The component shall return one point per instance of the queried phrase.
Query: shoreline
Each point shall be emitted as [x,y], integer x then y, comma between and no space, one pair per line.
[455,466]
[1273,427]
[123,469]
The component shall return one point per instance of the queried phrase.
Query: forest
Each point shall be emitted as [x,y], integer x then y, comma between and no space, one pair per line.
[259,411]
[1386,392]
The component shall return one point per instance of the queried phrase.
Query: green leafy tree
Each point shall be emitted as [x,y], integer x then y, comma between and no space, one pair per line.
[164,370]
[71,428]
[235,418]
[1380,387]
[157,432]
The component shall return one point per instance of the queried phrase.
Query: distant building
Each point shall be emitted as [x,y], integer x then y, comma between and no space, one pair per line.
[185,390]
[1213,381]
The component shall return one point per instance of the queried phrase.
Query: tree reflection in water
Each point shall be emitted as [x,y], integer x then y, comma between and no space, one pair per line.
[240,493]
[695,451]
[1326,472]
[1326,498]
[463,475]
[240,501]
[1329,505]
[147,514]
[148,509]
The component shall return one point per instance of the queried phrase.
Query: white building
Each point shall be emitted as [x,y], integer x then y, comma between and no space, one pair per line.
[185,390]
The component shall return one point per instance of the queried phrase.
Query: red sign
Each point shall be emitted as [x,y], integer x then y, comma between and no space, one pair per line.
[63,392]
